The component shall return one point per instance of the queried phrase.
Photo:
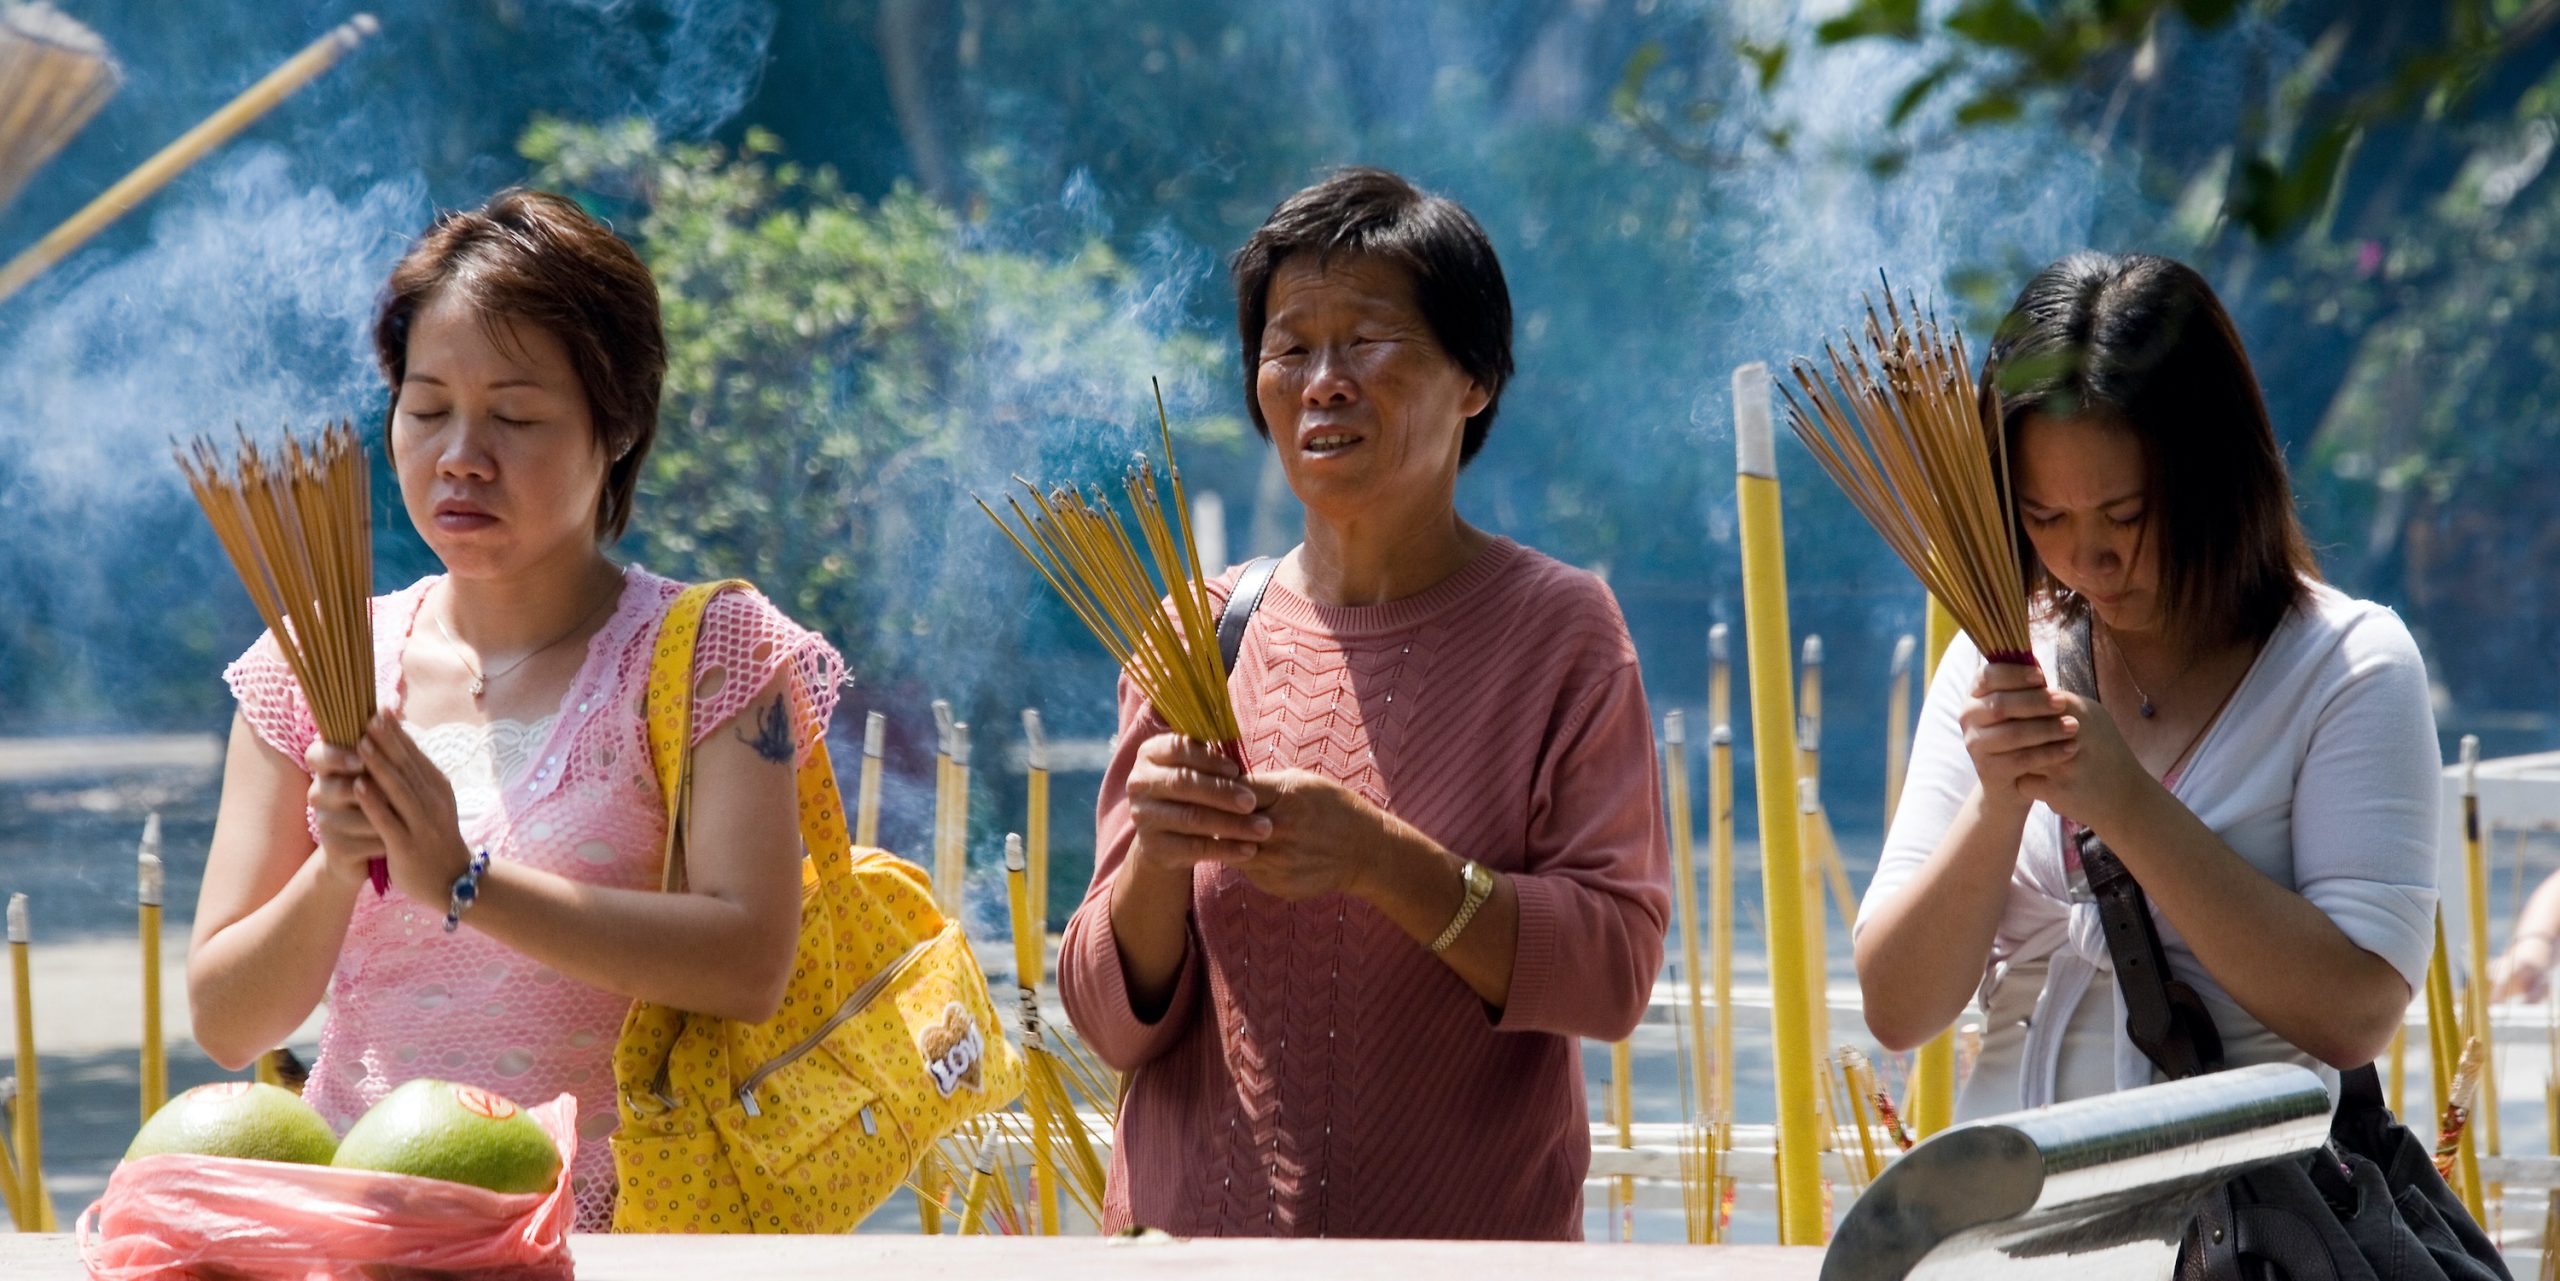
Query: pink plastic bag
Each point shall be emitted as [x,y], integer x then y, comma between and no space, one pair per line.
[218,1219]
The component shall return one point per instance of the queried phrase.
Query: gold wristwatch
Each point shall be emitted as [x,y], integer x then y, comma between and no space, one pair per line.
[1479,879]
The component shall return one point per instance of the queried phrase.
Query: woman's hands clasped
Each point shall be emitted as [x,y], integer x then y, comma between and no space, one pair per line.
[1292,833]
[1191,806]
[2031,743]
[385,799]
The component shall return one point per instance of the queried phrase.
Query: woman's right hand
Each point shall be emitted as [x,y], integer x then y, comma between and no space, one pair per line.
[348,843]
[2014,728]
[1190,805]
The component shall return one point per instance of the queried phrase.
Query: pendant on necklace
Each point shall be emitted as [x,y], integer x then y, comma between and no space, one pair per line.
[2147,710]
[477,685]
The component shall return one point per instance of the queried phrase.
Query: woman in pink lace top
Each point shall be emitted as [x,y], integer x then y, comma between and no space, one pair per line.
[524,352]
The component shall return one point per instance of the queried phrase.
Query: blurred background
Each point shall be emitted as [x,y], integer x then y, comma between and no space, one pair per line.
[912,247]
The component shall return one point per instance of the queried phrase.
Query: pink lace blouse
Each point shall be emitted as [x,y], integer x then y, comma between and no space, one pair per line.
[407,999]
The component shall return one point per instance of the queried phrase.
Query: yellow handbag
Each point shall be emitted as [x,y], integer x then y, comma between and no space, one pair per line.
[886,1041]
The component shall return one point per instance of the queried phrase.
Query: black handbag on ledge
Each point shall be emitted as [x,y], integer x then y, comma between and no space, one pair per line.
[2369,1206]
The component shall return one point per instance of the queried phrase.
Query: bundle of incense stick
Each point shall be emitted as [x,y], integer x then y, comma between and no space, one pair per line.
[1081,546]
[54,75]
[1903,430]
[298,526]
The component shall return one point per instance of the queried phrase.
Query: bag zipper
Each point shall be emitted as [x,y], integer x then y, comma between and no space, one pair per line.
[853,1005]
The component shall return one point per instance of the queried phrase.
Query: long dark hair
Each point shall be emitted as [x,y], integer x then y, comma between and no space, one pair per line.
[2141,343]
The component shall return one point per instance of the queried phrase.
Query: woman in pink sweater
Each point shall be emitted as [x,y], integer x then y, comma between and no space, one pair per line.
[1348,990]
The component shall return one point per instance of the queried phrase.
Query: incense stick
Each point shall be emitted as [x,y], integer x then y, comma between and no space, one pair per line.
[1900,425]
[1159,627]
[54,76]
[297,524]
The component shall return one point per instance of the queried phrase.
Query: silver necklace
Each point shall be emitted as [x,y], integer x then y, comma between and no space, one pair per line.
[479,680]
[2147,708]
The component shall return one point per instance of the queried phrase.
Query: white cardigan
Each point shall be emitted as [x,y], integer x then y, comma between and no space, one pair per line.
[2321,772]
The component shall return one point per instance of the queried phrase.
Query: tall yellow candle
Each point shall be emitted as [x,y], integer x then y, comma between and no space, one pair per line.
[866,810]
[150,878]
[1933,1069]
[1793,991]
[34,1203]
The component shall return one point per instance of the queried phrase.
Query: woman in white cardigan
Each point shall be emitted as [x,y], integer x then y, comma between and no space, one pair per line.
[2262,754]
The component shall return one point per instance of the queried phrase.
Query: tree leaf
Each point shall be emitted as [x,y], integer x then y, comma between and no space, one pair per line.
[1894,19]
[2000,24]
[1993,107]
[1918,92]
[1769,61]
[1626,101]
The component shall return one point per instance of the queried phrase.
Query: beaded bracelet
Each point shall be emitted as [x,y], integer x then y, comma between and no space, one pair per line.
[466,891]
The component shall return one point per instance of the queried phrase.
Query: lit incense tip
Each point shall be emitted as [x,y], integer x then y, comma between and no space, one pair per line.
[1719,648]
[1035,751]
[1755,442]
[150,876]
[1903,649]
[875,734]
[18,918]
[1675,727]
[1013,859]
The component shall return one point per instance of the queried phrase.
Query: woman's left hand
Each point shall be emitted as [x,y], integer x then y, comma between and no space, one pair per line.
[1325,839]
[2096,785]
[411,806]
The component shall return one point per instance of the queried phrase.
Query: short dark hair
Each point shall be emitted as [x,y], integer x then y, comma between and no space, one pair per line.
[1364,212]
[540,259]
[2140,342]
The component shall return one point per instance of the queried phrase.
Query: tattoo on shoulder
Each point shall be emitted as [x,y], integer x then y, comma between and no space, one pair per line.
[771,736]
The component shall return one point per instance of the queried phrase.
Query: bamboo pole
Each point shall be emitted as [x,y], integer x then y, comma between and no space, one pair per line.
[1028,965]
[1809,751]
[1817,850]
[866,813]
[1897,724]
[1684,881]
[1720,859]
[1792,994]
[942,805]
[1035,826]
[2397,1086]
[9,1195]
[959,819]
[34,1202]
[191,146]
[151,880]
[1933,1069]
[2475,868]
[2445,1052]
[1622,1112]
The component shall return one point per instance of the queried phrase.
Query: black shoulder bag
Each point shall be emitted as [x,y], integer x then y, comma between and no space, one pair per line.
[1251,583]
[2367,1207]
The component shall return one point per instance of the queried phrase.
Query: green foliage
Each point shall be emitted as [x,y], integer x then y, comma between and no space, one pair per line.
[840,370]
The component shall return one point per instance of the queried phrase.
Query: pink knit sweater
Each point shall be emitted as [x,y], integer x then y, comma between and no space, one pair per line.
[1318,1072]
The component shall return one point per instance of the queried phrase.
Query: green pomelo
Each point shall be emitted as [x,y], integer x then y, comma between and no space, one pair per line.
[246,1119]
[458,1133]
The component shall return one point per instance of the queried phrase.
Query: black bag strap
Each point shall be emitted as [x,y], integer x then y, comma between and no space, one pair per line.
[2163,1017]
[1251,583]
